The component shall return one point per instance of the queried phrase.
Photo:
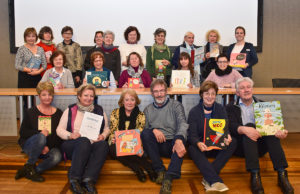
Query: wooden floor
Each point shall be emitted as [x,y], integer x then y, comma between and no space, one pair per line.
[115,178]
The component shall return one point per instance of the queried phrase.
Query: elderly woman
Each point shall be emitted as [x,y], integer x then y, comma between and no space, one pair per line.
[98,40]
[111,54]
[243,47]
[38,137]
[128,116]
[212,38]
[135,70]
[30,61]
[224,76]
[87,155]
[208,109]
[46,37]
[132,36]
[159,51]
[59,76]
[97,59]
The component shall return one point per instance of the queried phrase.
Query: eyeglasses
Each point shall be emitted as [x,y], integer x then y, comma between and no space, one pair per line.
[222,62]
[159,91]
[68,33]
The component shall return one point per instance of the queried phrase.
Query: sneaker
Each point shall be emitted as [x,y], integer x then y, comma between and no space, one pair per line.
[160,177]
[217,187]
[166,187]
[205,184]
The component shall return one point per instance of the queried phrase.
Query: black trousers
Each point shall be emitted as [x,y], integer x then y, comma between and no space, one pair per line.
[252,150]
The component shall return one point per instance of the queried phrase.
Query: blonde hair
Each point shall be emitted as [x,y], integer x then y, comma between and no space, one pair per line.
[45,86]
[86,87]
[213,31]
[132,93]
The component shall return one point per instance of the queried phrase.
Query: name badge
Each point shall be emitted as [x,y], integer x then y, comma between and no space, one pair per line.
[247,49]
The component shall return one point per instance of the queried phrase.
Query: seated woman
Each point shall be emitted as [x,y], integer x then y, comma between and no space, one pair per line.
[135,70]
[208,108]
[224,76]
[128,116]
[87,155]
[59,76]
[97,59]
[40,142]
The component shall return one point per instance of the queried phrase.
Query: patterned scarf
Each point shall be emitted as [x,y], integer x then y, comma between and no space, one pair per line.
[131,72]
[82,108]
[46,42]
[160,48]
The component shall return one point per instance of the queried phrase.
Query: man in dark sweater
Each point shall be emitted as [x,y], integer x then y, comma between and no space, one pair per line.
[251,144]
[164,134]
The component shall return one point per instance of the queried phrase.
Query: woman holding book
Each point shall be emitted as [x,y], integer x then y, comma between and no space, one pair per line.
[30,61]
[135,70]
[224,76]
[97,59]
[59,76]
[127,117]
[243,47]
[208,108]
[87,155]
[98,40]
[38,137]
[158,54]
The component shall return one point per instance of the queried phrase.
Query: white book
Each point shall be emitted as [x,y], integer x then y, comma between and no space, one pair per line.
[180,78]
[90,126]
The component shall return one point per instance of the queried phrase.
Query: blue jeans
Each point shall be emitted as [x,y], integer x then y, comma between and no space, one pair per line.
[155,150]
[87,159]
[34,146]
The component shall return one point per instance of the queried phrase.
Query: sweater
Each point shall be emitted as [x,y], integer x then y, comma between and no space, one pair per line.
[150,63]
[225,79]
[145,76]
[169,119]
[112,61]
[126,49]
[66,79]
[48,49]
[29,127]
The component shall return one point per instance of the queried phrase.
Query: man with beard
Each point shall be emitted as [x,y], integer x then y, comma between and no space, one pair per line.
[164,134]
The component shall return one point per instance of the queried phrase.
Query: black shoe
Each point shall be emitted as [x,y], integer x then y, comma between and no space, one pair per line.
[75,187]
[31,174]
[152,175]
[284,184]
[20,173]
[89,187]
[256,185]
[141,175]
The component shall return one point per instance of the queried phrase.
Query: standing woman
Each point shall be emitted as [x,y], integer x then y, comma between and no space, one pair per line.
[46,37]
[87,155]
[243,47]
[132,36]
[40,143]
[111,54]
[30,61]
[159,51]
[98,40]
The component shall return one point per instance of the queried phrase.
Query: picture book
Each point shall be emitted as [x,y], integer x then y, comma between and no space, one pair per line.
[97,78]
[128,142]
[54,78]
[160,69]
[215,132]
[198,54]
[214,50]
[44,123]
[180,78]
[238,60]
[34,63]
[133,82]
[268,117]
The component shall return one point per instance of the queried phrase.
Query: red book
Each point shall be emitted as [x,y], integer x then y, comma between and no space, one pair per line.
[133,82]
[128,142]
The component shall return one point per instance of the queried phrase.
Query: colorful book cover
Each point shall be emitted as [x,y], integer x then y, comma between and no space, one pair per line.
[34,63]
[180,78]
[214,50]
[54,78]
[215,132]
[133,82]
[128,142]
[160,69]
[199,56]
[44,123]
[268,117]
[98,79]
[238,60]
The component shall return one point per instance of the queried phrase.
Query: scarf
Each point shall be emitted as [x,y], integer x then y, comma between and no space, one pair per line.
[82,108]
[220,72]
[160,48]
[135,74]
[46,42]
[131,42]
[132,118]
[108,48]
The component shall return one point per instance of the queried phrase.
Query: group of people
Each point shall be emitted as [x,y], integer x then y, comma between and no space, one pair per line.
[63,64]
[165,131]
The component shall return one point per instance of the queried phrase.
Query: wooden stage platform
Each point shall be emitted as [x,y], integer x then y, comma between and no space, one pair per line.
[116,178]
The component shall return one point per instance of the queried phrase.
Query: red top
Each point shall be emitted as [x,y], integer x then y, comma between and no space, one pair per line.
[48,49]
[145,76]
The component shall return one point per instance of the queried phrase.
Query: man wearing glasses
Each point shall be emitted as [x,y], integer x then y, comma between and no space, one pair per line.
[164,134]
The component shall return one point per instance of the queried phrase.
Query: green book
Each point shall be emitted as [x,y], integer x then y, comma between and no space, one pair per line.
[97,78]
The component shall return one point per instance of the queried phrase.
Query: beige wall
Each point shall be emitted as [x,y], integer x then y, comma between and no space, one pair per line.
[278,60]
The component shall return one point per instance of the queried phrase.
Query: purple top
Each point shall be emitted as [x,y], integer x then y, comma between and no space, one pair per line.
[145,76]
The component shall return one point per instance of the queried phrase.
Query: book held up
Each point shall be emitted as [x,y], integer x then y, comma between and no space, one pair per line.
[238,60]
[215,132]
[97,78]
[128,142]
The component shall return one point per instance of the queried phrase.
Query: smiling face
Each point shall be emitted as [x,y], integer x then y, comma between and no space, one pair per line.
[209,97]
[132,37]
[245,91]
[47,36]
[58,61]
[134,60]
[108,39]
[160,38]
[212,37]
[184,62]
[99,39]
[31,38]
[222,63]
[45,98]
[239,35]
[159,93]
[98,63]
[67,35]
[129,102]
[189,38]
[87,97]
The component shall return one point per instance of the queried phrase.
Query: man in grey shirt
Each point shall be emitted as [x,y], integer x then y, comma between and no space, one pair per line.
[164,134]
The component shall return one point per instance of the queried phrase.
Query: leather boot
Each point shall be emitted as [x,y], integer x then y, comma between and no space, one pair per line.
[284,184]
[90,188]
[31,174]
[75,187]
[256,185]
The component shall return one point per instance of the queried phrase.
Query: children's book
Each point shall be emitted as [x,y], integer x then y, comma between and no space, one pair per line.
[268,117]
[97,78]
[128,142]
[133,82]
[238,60]
[215,132]
[198,54]
[160,69]
[180,78]
[44,123]
[214,50]
[34,62]
[54,78]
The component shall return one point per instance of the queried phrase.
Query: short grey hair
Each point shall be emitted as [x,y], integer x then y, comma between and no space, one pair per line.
[243,79]
[109,32]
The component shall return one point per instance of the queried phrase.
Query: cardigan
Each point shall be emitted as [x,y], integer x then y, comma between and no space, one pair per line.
[145,76]
[66,79]
[112,61]
[157,56]
[126,49]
